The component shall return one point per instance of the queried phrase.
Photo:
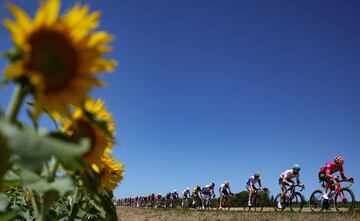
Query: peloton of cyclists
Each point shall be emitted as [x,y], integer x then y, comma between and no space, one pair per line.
[207,191]
[326,174]
[250,186]
[286,180]
[225,191]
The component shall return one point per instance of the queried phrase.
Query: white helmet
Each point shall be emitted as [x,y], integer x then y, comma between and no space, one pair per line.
[175,191]
[227,183]
[159,194]
[187,188]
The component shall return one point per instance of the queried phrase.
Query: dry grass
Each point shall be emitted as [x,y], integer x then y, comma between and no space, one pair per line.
[147,214]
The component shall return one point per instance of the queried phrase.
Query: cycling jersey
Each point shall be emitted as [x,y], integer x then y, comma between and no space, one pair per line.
[186,193]
[331,168]
[175,195]
[196,192]
[224,189]
[207,190]
[289,175]
[168,196]
[253,181]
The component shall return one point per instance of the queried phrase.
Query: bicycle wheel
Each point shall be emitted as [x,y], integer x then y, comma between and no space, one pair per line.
[276,201]
[296,203]
[227,204]
[258,203]
[344,200]
[316,201]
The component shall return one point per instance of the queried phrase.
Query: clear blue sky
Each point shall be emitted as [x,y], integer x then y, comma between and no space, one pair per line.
[216,90]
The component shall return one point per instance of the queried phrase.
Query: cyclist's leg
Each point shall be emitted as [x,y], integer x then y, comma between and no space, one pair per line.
[283,189]
[250,194]
[221,200]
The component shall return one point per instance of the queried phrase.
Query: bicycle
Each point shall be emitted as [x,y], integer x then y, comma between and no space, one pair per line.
[208,205]
[185,203]
[257,201]
[339,197]
[293,199]
[173,202]
[226,203]
[196,202]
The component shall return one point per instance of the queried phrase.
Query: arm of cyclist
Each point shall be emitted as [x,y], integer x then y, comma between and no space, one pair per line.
[287,182]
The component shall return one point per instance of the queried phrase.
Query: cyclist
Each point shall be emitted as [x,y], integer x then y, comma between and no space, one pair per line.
[185,196]
[168,199]
[158,200]
[151,199]
[326,172]
[174,198]
[225,191]
[207,191]
[286,180]
[196,194]
[250,186]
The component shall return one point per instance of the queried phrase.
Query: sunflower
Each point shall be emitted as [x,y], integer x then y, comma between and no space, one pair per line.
[111,173]
[60,55]
[94,122]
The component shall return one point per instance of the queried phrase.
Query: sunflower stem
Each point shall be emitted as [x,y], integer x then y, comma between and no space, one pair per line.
[18,95]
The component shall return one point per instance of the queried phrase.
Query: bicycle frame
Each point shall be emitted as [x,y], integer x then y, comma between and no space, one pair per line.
[292,189]
[338,189]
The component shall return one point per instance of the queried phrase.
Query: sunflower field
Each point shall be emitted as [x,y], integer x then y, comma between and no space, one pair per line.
[66,172]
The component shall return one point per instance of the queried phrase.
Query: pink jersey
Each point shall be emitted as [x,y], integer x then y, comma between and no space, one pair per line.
[330,168]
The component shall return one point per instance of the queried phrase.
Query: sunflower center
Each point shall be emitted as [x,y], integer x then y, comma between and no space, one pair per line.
[53,56]
[85,130]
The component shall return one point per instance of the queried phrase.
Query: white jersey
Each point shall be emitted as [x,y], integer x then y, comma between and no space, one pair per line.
[207,189]
[186,192]
[289,175]
[223,187]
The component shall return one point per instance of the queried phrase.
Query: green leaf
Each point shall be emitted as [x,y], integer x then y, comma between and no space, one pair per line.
[7,216]
[34,149]
[13,55]
[4,202]
[34,182]
[99,122]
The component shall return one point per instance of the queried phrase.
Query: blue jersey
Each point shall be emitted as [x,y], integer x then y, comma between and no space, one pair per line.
[253,180]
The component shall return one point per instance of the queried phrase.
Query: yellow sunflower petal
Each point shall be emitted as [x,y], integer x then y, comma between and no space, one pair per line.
[101,65]
[99,38]
[21,18]
[48,13]
[16,32]
[14,70]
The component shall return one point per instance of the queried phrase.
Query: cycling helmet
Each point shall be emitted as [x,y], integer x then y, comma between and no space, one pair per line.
[175,191]
[187,188]
[227,183]
[296,167]
[257,174]
[212,184]
[339,160]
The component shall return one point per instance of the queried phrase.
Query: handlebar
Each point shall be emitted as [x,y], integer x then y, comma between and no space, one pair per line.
[297,185]
[350,181]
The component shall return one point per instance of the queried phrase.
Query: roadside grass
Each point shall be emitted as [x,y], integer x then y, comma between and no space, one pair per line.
[214,215]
